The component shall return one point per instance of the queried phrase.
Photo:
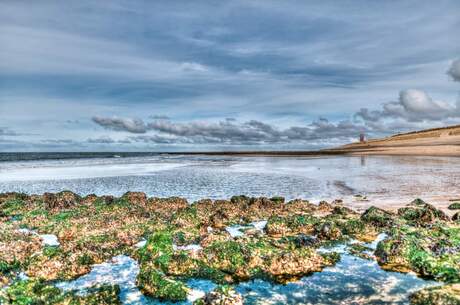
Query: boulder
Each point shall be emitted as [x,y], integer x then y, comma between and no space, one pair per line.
[441,295]
[421,215]
[325,206]
[456,217]
[303,240]
[378,217]
[62,200]
[135,197]
[222,295]
[417,202]
[278,199]
[329,230]
[454,206]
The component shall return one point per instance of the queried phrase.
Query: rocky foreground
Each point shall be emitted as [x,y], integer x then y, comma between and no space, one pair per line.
[49,238]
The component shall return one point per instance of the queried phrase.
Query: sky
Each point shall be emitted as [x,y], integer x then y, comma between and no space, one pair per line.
[223,75]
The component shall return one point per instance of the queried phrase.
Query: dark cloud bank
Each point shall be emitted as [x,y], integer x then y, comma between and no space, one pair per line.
[229,131]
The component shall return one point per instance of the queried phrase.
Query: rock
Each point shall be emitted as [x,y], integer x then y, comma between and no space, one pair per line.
[155,283]
[40,292]
[443,295]
[89,199]
[242,199]
[303,240]
[277,226]
[329,230]
[135,197]
[223,295]
[456,217]
[422,215]
[341,210]
[360,250]
[218,220]
[378,217]
[107,199]
[432,251]
[278,199]
[337,202]
[290,225]
[417,202]
[325,206]
[167,206]
[155,259]
[62,200]
[294,264]
[454,206]
[11,196]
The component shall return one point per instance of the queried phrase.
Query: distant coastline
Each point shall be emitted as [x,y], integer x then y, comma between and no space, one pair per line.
[443,141]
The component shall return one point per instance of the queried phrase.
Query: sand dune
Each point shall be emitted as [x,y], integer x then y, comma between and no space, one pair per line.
[439,141]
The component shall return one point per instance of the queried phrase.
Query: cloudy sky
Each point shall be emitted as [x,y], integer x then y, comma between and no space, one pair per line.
[203,75]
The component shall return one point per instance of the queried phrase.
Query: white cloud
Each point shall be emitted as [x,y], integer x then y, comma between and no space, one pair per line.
[454,70]
[413,106]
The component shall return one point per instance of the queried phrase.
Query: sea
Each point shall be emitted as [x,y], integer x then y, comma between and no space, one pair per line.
[195,177]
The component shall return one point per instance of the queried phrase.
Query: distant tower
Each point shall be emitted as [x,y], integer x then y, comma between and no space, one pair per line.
[362,138]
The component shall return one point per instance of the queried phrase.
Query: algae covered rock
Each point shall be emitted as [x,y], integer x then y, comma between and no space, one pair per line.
[278,199]
[222,295]
[456,217]
[135,197]
[442,295]
[378,217]
[61,200]
[155,283]
[417,202]
[291,225]
[222,261]
[329,230]
[454,206]
[432,252]
[242,199]
[422,214]
[155,257]
[38,292]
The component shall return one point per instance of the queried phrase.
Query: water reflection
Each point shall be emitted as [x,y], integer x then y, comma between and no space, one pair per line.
[352,281]
[195,177]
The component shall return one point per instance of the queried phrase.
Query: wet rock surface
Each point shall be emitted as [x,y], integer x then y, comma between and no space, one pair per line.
[444,295]
[223,295]
[222,241]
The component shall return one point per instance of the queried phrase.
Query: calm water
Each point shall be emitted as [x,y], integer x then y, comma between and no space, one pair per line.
[196,177]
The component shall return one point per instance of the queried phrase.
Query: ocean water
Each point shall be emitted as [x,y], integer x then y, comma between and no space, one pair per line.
[217,177]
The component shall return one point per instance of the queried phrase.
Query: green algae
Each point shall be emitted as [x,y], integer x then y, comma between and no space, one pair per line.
[7,267]
[155,283]
[92,231]
[13,207]
[421,215]
[278,199]
[378,217]
[441,295]
[155,258]
[432,252]
[38,292]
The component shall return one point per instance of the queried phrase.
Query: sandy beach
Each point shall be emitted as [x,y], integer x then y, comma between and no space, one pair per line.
[432,142]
